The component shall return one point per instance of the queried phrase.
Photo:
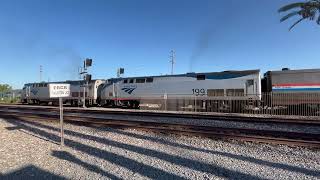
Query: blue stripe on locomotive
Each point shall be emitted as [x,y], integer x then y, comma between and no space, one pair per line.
[218,76]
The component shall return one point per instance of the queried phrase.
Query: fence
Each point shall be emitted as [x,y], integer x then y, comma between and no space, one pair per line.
[273,103]
[9,97]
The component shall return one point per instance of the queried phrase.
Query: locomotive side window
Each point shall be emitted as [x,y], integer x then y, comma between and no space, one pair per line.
[131,81]
[149,80]
[140,80]
[229,92]
[201,77]
[239,92]
[125,81]
[215,92]
[235,92]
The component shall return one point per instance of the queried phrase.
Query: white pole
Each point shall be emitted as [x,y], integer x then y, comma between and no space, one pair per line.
[84,95]
[61,121]
[165,96]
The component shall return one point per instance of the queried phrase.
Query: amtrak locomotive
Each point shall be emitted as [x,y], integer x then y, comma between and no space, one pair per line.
[236,85]
[38,93]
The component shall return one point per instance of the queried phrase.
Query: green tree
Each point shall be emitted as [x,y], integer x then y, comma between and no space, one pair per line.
[308,10]
[5,88]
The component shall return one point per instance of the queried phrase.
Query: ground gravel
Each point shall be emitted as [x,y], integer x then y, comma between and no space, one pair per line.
[30,150]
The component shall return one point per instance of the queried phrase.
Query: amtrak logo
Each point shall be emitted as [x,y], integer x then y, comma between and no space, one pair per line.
[34,91]
[128,90]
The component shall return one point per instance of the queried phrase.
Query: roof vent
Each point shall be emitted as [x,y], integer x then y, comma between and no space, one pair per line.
[285,69]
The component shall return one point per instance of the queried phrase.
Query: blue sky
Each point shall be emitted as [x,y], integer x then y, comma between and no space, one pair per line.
[209,35]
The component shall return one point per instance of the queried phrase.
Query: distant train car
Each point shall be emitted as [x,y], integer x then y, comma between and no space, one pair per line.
[293,87]
[226,85]
[38,93]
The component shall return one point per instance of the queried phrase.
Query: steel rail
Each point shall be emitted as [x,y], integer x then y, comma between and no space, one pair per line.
[188,115]
[242,134]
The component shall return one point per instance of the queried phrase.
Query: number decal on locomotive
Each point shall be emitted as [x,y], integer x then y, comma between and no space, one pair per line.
[199,92]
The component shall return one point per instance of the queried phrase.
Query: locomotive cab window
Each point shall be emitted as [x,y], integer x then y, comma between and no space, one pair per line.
[149,80]
[250,82]
[131,81]
[125,81]
[201,77]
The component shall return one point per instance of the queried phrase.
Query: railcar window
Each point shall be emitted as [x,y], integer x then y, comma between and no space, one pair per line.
[125,81]
[40,85]
[140,80]
[201,77]
[215,92]
[131,81]
[149,80]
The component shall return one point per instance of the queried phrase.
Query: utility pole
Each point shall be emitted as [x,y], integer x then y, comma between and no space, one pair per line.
[172,60]
[40,73]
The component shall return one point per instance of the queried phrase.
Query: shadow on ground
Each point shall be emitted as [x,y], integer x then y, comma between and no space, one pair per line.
[139,167]
[30,172]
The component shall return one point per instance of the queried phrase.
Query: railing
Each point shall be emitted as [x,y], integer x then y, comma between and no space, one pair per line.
[273,103]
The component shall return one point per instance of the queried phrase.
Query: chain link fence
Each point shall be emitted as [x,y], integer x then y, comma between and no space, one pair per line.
[273,103]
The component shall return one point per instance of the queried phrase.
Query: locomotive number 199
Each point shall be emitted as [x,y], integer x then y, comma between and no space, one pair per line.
[199,92]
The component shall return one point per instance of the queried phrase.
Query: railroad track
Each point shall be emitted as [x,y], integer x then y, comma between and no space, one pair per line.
[242,134]
[314,121]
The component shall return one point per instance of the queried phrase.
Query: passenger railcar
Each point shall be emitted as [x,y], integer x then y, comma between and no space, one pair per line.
[293,87]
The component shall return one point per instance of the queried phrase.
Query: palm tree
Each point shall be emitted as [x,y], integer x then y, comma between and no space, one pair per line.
[306,10]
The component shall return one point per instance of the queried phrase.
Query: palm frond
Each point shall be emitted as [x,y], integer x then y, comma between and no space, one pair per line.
[296,23]
[290,15]
[291,6]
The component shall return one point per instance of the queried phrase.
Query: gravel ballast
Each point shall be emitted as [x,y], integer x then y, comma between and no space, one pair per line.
[197,122]
[31,150]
